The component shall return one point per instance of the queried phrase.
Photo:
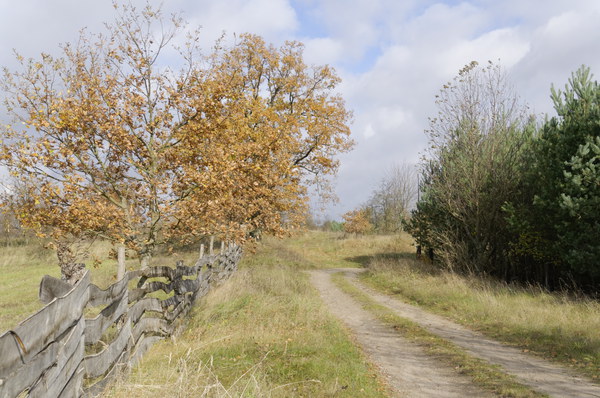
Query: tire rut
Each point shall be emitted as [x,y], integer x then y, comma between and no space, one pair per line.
[408,370]
[537,373]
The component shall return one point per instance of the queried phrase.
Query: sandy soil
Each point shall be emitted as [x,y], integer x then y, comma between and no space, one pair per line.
[409,371]
[535,372]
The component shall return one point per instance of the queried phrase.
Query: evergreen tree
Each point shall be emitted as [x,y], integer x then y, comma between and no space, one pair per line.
[556,217]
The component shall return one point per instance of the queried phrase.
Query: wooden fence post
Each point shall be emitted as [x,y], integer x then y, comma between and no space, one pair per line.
[212,243]
[120,262]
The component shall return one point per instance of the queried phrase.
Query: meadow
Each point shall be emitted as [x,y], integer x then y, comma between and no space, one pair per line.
[266,333]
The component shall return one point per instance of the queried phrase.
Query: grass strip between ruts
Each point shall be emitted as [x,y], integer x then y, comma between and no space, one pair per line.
[483,374]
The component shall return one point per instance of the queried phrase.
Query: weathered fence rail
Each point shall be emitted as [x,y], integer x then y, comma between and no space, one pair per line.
[58,352]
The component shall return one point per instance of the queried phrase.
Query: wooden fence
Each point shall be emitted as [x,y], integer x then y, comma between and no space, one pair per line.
[58,352]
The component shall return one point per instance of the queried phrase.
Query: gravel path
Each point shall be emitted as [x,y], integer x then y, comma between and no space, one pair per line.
[408,370]
[537,373]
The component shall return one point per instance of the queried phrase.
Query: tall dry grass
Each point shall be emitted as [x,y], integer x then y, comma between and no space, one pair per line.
[555,325]
[263,333]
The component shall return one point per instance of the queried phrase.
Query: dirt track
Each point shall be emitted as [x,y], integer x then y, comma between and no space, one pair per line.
[414,374]
[409,371]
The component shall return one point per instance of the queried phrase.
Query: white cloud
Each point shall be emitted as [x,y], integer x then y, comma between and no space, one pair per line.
[322,50]
[369,131]
[393,55]
[273,19]
[420,55]
[558,47]
[506,45]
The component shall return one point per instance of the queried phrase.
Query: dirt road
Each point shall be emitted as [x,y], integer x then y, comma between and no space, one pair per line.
[414,374]
[409,371]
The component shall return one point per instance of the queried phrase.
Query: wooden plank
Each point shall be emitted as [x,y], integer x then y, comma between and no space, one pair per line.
[181,312]
[155,272]
[206,261]
[184,270]
[147,304]
[141,347]
[186,302]
[96,365]
[182,286]
[97,388]
[104,297]
[171,301]
[151,325]
[136,294]
[21,345]
[39,330]
[202,291]
[178,285]
[67,364]
[95,327]
[74,386]
[51,287]
[44,365]
[156,286]
[167,272]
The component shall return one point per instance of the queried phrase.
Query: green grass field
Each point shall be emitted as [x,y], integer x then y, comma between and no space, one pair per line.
[265,332]
[24,262]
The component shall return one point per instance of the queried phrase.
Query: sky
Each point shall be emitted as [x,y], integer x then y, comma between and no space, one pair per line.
[393,55]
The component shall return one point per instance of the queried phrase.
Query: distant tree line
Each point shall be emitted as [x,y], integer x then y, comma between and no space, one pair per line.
[388,208]
[502,195]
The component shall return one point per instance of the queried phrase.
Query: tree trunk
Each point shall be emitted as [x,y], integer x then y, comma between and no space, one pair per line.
[70,271]
[145,260]
[146,252]
[201,251]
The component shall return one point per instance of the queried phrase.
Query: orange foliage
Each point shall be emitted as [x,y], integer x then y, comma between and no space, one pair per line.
[357,222]
[112,142]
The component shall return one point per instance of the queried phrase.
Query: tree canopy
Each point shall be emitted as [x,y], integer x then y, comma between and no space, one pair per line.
[131,137]
[555,216]
[502,196]
[476,142]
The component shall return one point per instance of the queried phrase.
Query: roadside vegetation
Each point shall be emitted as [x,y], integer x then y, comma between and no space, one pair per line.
[559,326]
[488,377]
[508,196]
[264,333]
[25,260]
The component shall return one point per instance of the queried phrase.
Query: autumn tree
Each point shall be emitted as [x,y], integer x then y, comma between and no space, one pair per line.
[357,222]
[283,130]
[116,139]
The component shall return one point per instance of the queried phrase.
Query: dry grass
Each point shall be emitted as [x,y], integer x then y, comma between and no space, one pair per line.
[554,325]
[264,333]
[24,262]
[488,377]
[22,266]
